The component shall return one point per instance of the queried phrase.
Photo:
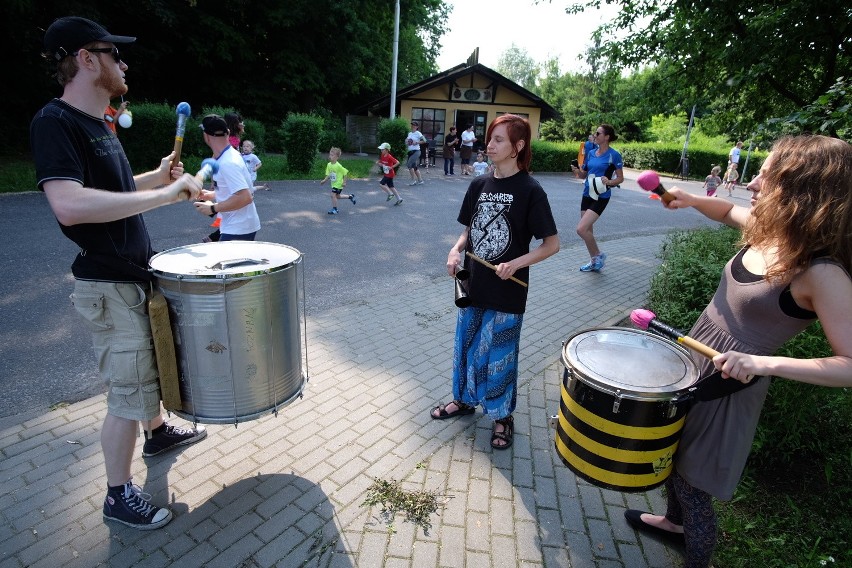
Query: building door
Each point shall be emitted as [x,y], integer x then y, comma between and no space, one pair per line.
[465,118]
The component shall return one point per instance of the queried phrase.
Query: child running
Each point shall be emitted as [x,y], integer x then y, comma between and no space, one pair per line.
[731,177]
[253,163]
[388,163]
[712,181]
[335,172]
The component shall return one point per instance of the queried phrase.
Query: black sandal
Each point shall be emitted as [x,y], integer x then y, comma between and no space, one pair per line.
[505,436]
[462,409]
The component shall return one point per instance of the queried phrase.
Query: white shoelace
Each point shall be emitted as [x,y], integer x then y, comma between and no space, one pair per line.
[137,499]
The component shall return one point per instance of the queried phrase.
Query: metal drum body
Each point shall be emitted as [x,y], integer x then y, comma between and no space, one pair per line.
[234,310]
[622,407]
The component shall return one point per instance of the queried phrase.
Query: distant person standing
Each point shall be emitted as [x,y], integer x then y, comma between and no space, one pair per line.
[412,143]
[467,139]
[734,154]
[451,142]
[231,197]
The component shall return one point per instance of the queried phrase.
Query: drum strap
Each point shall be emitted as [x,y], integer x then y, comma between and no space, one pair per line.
[715,386]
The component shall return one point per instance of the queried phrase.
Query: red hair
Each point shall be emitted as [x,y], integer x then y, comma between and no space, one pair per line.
[519,130]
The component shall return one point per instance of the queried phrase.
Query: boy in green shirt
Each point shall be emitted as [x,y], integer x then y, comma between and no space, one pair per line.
[335,172]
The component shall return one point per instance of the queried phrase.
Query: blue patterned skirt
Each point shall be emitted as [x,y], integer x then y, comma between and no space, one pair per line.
[485,360]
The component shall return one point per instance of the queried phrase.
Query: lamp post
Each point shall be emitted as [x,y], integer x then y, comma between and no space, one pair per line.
[395,56]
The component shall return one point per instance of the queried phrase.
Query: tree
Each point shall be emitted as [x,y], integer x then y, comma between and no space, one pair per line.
[264,58]
[516,64]
[755,59]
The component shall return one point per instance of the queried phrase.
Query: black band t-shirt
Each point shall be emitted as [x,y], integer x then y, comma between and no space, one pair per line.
[503,215]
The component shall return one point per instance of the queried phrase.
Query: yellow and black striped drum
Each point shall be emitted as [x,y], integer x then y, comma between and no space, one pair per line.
[624,399]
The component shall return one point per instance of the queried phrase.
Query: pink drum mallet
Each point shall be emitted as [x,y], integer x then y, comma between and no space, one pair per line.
[649,180]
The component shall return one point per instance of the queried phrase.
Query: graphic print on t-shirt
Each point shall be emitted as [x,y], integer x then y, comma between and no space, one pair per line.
[489,230]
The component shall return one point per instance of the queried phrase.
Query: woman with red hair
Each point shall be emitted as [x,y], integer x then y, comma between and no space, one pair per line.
[502,212]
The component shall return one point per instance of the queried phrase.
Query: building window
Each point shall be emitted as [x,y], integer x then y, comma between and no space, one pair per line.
[431,121]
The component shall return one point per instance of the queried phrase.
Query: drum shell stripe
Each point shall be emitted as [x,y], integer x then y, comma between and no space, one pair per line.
[613,434]
[602,458]
[652,413]
[608,479]
[613,447]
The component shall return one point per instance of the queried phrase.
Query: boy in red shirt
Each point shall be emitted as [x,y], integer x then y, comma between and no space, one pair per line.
[387,163]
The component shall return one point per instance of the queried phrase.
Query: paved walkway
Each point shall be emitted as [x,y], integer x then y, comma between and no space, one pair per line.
[289,490]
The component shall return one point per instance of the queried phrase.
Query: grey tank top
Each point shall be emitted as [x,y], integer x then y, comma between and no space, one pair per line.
[744,315]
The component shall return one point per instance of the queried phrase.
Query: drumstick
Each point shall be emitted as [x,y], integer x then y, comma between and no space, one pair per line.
[494,268]
[183,111]
[649,180]
[209,166]
[646,319]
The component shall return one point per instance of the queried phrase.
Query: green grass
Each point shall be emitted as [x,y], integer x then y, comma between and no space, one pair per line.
[18,174]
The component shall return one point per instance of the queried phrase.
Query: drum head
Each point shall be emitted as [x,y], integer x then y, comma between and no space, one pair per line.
[229,259]
[630,362]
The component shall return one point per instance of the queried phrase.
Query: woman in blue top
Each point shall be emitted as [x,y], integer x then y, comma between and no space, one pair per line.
[603,170]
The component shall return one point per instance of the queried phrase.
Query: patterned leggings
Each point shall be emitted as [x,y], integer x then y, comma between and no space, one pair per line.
[692,508]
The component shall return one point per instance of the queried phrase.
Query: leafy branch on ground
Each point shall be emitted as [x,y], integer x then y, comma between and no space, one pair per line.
[416,505]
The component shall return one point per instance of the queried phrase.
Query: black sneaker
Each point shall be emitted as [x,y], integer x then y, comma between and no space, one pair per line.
[129,506]
[172,437]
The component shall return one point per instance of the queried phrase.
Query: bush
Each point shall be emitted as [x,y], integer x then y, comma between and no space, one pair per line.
[664,158]
[692,263]
[152,135]
[393,131]
[300,134]
[256,132]
[552,156]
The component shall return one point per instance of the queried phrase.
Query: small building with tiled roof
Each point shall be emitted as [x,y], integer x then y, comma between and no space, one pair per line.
[469,93]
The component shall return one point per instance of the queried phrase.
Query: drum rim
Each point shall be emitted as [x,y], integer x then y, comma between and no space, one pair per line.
[247,274]
[614,390]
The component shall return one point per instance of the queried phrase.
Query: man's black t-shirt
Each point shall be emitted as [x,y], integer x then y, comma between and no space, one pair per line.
[68,144]
[504,215]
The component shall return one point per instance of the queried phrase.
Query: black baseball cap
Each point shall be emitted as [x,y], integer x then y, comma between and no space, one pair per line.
[67,35]
[214,125]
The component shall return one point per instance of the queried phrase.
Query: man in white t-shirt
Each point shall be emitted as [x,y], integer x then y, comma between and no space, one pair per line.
[734,154]
[412,143]
[468,137]
[231,197]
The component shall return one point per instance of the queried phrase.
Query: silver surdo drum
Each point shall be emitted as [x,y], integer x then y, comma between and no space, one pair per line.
[234,309]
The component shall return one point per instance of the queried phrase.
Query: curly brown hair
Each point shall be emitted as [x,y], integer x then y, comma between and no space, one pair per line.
[805,204]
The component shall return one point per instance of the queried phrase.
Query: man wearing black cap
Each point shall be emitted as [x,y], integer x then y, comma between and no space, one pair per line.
[231,197]
[98,202]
